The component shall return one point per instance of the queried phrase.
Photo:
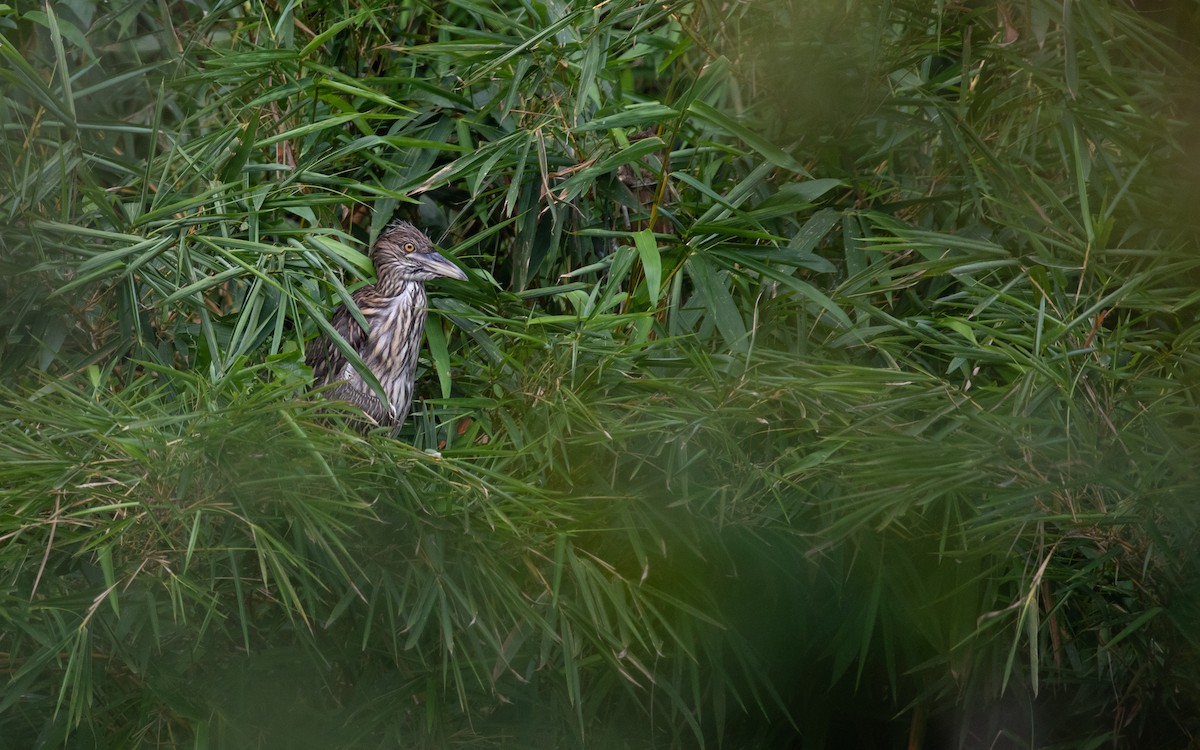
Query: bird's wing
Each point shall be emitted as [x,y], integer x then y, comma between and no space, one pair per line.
[326,358]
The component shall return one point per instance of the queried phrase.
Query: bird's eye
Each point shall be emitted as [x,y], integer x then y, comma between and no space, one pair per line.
[408,247]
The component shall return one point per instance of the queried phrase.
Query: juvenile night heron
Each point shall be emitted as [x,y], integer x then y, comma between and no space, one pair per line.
[394,308]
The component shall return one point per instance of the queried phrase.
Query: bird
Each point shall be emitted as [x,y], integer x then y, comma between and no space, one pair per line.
[394,308]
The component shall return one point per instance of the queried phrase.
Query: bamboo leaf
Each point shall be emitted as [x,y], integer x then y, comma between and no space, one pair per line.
[651,263]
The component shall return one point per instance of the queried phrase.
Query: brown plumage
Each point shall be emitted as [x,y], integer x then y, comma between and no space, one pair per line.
[394,308]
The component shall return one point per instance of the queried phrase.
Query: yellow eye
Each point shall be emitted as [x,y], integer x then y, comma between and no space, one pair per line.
[408,247]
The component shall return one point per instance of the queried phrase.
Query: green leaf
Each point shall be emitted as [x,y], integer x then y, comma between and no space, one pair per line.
[718,303]
[647,249]
[762,146]
[436,337]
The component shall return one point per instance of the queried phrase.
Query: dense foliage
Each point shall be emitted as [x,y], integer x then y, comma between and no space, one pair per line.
[826,375]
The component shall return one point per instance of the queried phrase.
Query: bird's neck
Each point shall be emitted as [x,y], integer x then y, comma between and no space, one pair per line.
[398,286]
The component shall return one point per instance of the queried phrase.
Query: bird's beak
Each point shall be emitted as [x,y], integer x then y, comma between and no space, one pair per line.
[438,265]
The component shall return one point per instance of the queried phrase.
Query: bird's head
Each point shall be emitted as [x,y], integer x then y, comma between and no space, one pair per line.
[404,252]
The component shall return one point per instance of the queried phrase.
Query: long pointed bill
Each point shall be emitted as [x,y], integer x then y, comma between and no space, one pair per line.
[439,266]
